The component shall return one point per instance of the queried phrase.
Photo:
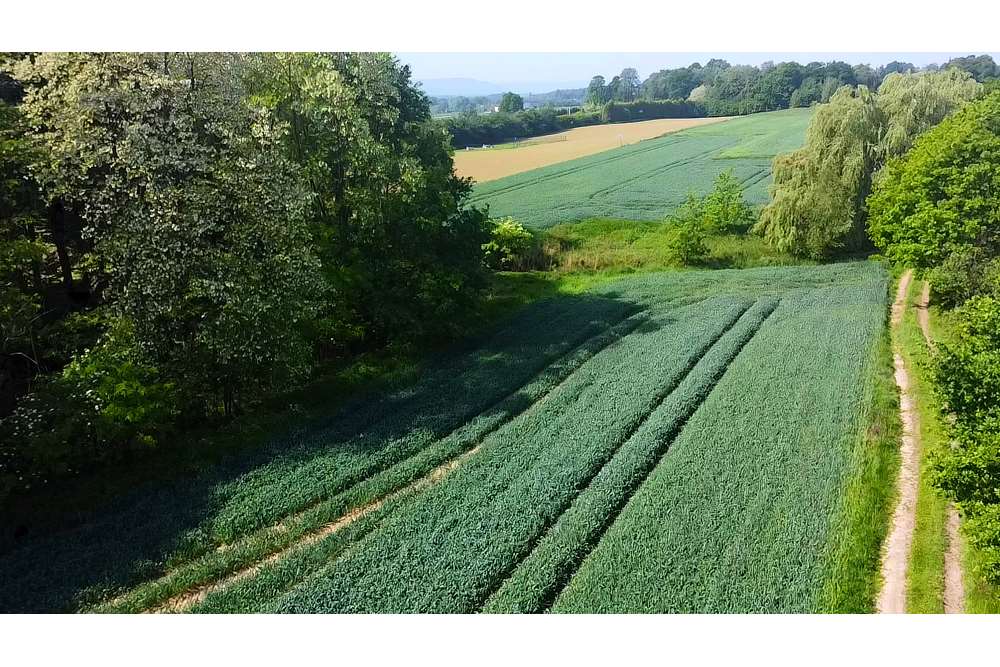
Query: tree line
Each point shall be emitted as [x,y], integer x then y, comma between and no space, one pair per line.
[184,234]
[714,89]
[937,208]
[727,90]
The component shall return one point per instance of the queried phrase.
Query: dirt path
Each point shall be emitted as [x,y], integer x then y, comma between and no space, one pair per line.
[896,553]
[954,584]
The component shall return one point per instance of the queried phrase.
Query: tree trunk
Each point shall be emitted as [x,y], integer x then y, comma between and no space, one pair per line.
[60,239]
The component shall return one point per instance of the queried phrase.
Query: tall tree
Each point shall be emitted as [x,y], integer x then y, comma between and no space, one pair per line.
[819,191]
[511,102]
[191,209]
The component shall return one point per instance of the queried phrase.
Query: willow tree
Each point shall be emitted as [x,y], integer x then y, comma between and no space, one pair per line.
[819,192]
[819,189]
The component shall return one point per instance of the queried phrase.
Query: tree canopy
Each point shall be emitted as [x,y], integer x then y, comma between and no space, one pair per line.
[819,193]
[944,194]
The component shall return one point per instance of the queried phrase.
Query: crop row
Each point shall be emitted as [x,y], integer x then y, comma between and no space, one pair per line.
[256,546]
[160,527]
[740,515]
[456,542]
[537,580]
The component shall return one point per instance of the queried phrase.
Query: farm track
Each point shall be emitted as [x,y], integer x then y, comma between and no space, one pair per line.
[197,590]
[898,545]
[954,584]
[601,488]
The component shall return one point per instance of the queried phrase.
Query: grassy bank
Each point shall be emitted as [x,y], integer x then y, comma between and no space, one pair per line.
[854,553]
[925,586]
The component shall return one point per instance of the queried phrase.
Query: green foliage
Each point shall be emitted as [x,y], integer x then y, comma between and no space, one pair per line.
[511,102]
[623,112]
[242,215]
[963,274]
[944,194]
[982,68]
[647,180]
[688,241]
[195,214]
[819,195]
[509,247]
[724,209]
[967,370]
[819,189]
[104,405]
[495,128]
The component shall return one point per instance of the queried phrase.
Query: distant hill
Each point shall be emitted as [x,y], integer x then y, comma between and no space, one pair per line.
[476,88]
[459,86]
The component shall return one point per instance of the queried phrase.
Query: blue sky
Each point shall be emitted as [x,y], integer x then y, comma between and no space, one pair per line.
[575,69]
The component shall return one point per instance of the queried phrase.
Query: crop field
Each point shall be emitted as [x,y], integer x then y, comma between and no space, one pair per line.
[503,160]
[646,181]
[668,442]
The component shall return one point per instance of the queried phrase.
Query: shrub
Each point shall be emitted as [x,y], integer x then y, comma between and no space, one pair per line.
[688,241]
[967,370]
[511,246]
[964,273]
[104,404]
[725,211]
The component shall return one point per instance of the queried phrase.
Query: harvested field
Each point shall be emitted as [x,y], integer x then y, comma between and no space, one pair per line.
[489,164]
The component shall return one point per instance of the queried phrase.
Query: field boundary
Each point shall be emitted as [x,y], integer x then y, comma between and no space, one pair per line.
[285,528]
[565,569]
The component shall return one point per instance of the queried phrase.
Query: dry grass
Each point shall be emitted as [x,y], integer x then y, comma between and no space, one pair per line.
[487,165]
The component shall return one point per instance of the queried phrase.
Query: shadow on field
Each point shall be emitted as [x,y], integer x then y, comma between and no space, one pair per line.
[86,555]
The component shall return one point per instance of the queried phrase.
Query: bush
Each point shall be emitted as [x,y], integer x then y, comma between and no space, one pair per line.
[104,404]
[967,370]
[964,273]
[688,241]
[725,211]
[511,246]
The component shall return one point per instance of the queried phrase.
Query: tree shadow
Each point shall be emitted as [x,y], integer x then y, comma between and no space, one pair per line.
[88,553]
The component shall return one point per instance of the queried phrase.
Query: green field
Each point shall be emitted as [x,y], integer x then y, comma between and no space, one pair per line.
[646,181]
[667,442]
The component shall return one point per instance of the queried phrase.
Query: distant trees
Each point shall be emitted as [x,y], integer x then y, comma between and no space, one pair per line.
[819,192]
[493,128]
[511,102]
[982,68]
[732,90]
[597,92]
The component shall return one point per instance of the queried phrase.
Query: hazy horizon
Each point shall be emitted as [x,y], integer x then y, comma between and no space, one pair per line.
[523,71]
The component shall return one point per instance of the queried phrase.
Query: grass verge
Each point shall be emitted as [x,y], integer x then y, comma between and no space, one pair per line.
[852,573]
[925,577]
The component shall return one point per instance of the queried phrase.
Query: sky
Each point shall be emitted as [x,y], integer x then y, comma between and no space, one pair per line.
[541,72]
